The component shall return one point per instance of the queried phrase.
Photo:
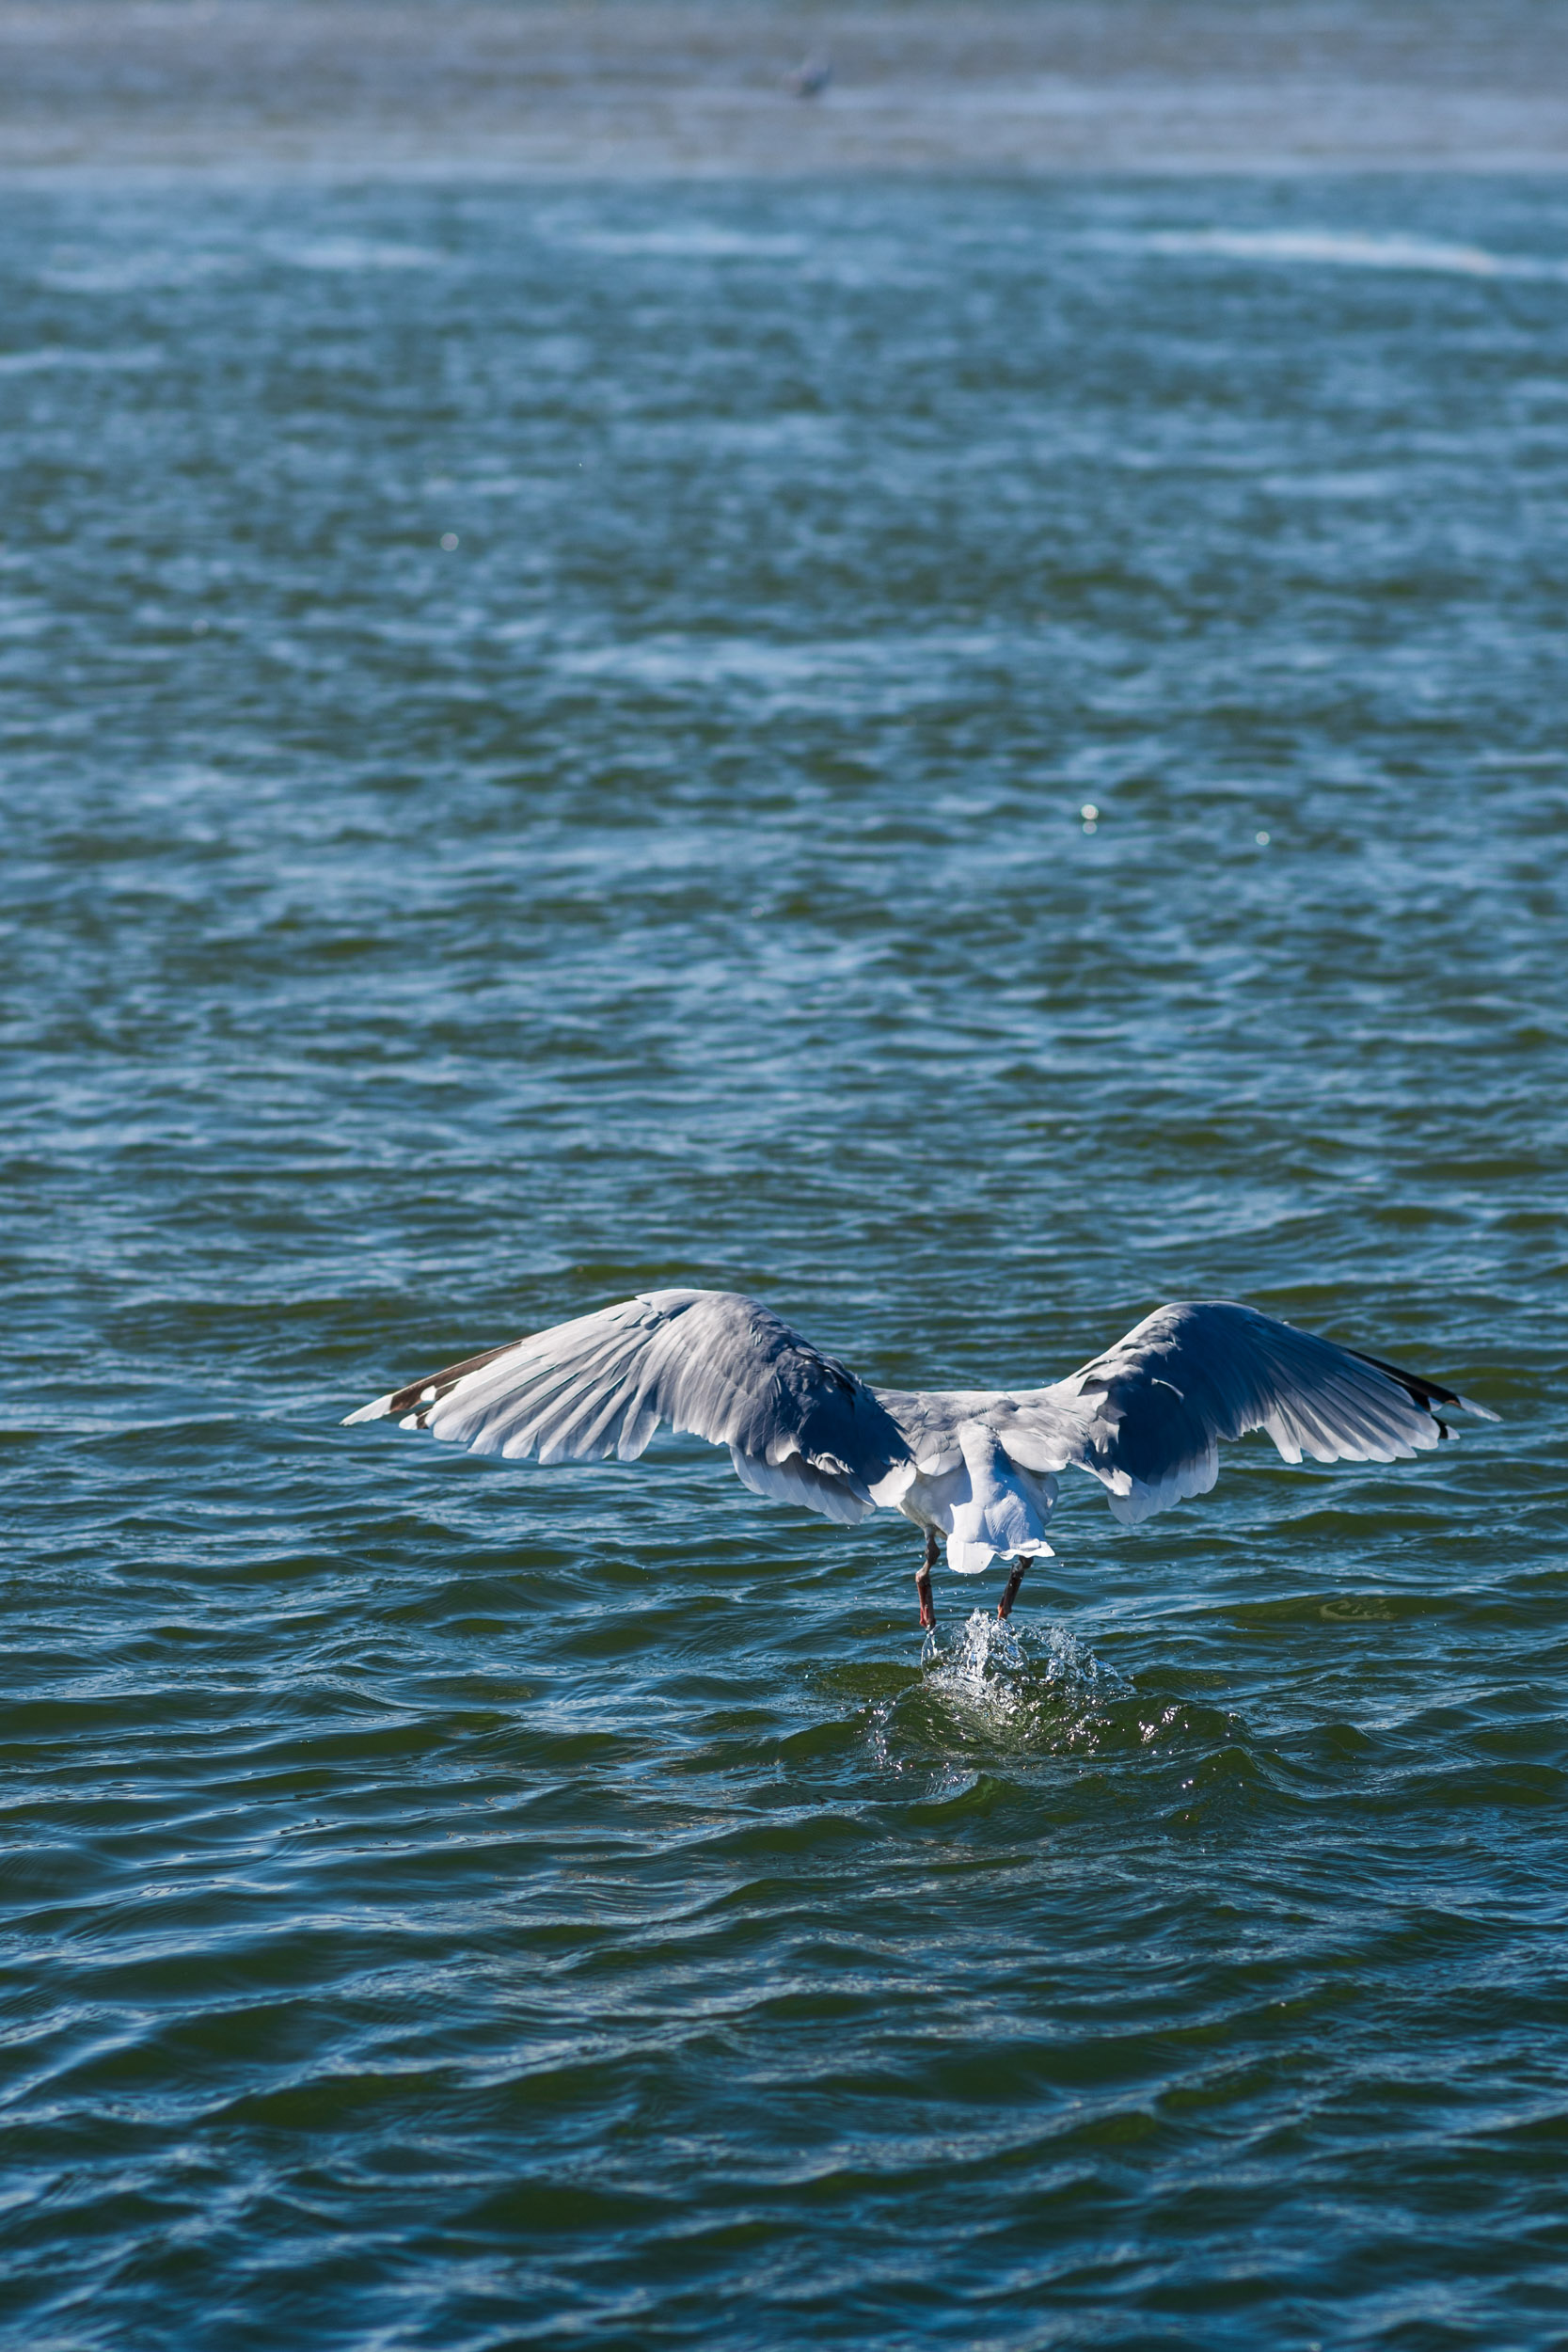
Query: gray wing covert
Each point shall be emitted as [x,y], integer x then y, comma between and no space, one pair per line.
[1036,1432]
[1152,1410]
[711,1363]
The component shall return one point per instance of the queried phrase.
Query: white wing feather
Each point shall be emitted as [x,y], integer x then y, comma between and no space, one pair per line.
[1145,1417]
[711,1363]
[1151,1410]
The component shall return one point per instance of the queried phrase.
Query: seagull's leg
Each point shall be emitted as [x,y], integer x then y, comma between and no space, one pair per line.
[1005,1606]
[923,1580]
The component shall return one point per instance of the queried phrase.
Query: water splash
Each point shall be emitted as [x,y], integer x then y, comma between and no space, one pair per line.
[996,1675]
[999,1655]
[1000,1695]
[980,1662]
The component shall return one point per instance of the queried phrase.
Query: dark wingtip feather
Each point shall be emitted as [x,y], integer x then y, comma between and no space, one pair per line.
[1423,1391]
[419,1395]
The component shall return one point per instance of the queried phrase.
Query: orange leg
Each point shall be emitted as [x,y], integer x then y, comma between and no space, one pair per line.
[922,1581]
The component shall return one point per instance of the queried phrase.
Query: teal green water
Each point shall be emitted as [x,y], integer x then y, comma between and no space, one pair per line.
[456,1906]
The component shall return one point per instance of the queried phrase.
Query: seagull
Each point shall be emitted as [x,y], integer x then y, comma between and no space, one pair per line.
[811,77]
[977,1466]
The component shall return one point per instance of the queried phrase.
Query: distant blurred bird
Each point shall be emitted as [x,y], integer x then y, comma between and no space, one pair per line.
[976,1465]
[811,78]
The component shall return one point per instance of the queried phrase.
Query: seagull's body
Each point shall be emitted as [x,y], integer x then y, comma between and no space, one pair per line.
[977,1466]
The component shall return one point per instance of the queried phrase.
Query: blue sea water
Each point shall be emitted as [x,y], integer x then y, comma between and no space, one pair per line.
[965,757]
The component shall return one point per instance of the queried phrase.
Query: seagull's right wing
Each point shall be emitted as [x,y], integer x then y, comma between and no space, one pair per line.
[1152,1411]
[711,1363]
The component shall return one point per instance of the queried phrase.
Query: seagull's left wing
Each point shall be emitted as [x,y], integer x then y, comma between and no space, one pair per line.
[712,1364]
[1152,1411]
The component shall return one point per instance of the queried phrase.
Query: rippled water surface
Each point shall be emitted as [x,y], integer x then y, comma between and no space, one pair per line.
[968,759]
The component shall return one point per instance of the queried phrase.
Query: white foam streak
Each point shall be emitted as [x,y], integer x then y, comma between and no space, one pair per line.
[353,253]
[1352,249]
[50,355]
[700,241]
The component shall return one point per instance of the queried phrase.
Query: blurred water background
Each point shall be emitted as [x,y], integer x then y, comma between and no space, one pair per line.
[965,756]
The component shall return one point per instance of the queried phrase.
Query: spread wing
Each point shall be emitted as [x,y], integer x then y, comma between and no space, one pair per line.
[1151,1410]
[711,1363]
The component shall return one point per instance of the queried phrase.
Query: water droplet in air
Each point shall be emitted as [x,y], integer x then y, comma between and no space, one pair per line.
[1261,839]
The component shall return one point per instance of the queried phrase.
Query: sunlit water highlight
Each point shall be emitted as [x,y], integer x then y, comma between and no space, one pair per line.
[967,759]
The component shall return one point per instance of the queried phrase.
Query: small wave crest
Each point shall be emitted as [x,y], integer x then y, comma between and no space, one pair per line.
[353,253]
[1351,250]
[48,356]
[698,241]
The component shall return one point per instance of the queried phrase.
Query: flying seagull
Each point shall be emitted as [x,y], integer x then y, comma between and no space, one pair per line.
[812,76]
[977,1466]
